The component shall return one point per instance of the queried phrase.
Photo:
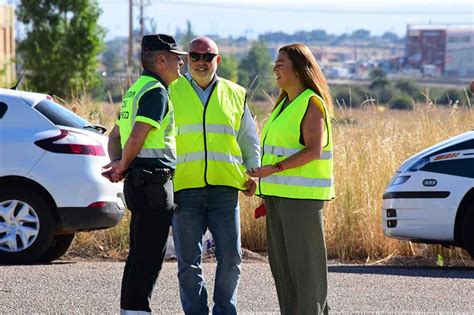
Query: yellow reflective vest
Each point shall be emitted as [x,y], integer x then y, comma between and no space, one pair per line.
[160,142]
[206,135]
[280,139]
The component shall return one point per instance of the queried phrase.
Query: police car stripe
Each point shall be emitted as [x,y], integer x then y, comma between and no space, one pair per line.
[463,146]
[452,155]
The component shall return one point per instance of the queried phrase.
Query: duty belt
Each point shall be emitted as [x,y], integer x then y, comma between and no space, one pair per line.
[146,175]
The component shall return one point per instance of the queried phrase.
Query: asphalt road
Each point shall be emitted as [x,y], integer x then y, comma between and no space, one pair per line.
[71,287]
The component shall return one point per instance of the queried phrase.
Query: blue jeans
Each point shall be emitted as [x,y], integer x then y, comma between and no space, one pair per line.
[215,208]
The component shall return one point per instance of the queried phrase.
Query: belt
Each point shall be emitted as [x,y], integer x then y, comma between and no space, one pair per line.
[154,175]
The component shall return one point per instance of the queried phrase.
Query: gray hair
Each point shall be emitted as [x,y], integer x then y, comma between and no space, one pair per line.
[148,58]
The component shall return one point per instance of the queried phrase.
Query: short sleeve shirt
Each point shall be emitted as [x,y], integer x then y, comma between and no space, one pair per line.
[152,108]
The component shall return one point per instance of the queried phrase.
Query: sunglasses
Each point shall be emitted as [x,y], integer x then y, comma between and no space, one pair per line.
[207,57]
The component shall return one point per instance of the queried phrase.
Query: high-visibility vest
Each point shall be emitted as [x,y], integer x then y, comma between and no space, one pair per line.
[280,139]
[160,142]
[206,135]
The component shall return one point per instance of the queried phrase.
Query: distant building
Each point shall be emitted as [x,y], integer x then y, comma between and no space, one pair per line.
[448,49]
[7,45]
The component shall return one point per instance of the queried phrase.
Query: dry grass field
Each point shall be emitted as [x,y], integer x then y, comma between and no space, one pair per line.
[367,153]
[370,143]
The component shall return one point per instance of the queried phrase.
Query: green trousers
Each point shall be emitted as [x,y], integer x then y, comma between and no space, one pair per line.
[297,254]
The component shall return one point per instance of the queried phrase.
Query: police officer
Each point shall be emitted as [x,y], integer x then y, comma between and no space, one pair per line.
[142,149]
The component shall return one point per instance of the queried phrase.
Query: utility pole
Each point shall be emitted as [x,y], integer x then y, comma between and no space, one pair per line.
[142,26]
[130,37]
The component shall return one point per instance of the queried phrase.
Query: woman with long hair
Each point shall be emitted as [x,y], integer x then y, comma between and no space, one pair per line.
[295,179]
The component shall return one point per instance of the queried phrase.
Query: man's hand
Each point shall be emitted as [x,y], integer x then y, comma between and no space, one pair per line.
[114,171]
[263,171]
[251,187]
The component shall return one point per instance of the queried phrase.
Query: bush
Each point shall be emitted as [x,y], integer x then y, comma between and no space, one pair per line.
[451,97]
[409,87]
[402,101]
[350,96]
[385,95]
[378,78]
[344,97]
[363,92]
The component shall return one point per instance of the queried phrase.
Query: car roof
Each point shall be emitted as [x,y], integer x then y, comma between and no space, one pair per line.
[29,97]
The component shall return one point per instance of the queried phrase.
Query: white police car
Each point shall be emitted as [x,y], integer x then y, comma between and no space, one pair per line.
[50,178]
[430,199]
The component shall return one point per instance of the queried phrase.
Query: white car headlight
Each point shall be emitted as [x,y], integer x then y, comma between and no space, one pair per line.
[418,164]
[399,180]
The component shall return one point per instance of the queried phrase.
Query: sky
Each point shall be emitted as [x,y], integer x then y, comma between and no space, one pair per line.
[251,18]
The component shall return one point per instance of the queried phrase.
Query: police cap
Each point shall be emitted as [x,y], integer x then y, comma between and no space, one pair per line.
[161,42]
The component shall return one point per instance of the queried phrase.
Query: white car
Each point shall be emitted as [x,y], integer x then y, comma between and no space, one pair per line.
[430,199]
[50,178]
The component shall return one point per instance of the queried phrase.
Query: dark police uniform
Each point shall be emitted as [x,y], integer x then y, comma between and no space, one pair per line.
[148,188]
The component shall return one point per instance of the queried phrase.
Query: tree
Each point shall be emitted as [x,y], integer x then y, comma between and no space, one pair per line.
[360,34]
[408,86]
[228,67]
[378,78]
[390,37]
[113,56]
[188,36]
[257,65]
[319,35]
[62,44]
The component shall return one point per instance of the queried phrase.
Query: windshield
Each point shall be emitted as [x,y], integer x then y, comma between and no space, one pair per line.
[60,115]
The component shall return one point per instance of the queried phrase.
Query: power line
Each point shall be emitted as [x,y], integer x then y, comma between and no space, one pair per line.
[292,9]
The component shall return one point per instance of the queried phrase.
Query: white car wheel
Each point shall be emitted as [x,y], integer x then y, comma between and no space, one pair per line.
[19,225]
[26,225]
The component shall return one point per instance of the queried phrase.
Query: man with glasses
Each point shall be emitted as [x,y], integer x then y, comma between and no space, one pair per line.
[142,149]
[216,142]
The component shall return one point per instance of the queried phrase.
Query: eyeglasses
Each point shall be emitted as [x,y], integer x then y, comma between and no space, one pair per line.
[207,57]
[178,57]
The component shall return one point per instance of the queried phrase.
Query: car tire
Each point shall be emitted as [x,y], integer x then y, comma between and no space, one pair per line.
[58,247]
[468,231]
[26,226]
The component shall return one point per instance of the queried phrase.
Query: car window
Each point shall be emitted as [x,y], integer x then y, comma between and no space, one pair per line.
[60,115]
[3,109]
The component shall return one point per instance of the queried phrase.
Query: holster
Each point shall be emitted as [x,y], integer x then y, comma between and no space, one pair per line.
[142,176]
[156,184]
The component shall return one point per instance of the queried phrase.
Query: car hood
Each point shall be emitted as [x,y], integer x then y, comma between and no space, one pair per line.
[439,146]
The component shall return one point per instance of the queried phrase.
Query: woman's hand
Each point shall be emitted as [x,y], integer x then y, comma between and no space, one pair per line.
[263,171]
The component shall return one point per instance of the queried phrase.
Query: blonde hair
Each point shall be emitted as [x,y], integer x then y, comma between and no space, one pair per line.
[309,73]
